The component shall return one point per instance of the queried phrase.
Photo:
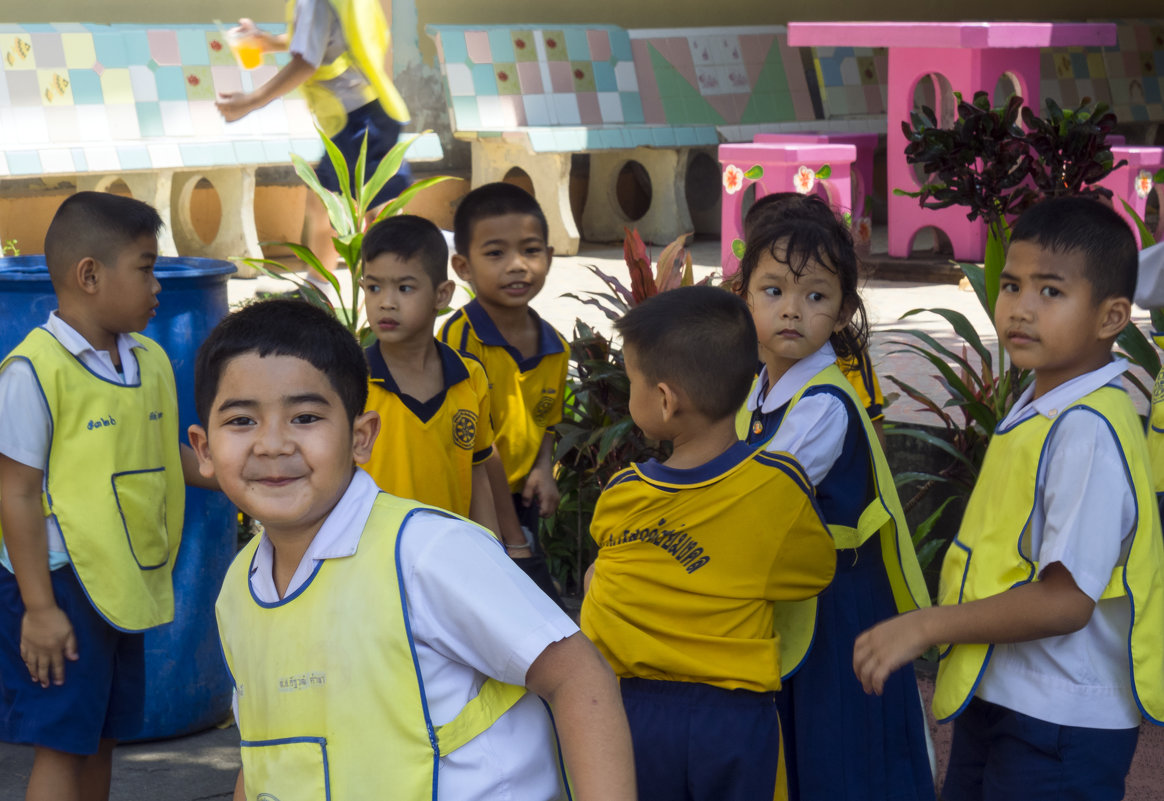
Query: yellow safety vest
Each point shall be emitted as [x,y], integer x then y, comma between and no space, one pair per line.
[366,32]
[331,703]
[1156,427]
[987,556]
[796,621]
[114,477]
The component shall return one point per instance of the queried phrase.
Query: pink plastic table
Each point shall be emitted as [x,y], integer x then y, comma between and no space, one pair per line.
[960,56]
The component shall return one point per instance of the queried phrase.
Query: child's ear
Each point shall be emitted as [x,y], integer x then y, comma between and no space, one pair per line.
[669,400]
[86,272]
[444,294]
[364,432]
[1114,314]
[461,267]
[200,444]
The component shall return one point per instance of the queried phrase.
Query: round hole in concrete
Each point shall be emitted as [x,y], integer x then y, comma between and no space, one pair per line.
[633,190]
[935,92]
[205,210]
[930,242]
[519,177]
[1006,85]
[118,187]
[704,194]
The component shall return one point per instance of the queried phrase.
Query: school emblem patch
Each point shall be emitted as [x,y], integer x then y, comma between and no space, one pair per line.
[542,410]
[464,429]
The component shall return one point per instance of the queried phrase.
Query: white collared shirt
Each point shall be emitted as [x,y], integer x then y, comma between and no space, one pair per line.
[1085,506]
[25,435]
[473,614]
[814,430]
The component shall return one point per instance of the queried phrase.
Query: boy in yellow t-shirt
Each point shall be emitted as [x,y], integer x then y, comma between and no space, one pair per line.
[432,401]
[694,552]
[500,235]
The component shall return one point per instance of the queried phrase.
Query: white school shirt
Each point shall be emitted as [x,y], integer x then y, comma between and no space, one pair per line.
[814,430]
[318,38]
[473,614]
[25,422]
[1084,508]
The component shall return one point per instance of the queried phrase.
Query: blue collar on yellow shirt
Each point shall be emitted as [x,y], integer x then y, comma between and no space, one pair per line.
[453,371]
[548,341]
[657,471]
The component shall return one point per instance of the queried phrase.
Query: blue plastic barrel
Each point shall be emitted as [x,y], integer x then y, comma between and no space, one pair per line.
[187,686]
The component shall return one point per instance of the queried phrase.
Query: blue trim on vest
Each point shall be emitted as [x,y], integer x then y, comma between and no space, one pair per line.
[320,741]
[549,342]
[77,359]
[453,372]
[113,483]
[282,601]
[654,470]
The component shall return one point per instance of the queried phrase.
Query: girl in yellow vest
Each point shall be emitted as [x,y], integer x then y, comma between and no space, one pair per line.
[1052,594]
[799,277]
[338,52]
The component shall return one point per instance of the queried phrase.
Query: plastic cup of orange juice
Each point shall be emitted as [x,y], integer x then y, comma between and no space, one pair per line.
[247,51]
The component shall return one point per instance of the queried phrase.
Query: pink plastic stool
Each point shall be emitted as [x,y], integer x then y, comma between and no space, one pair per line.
[862,176]
[1133,183]
[786,167]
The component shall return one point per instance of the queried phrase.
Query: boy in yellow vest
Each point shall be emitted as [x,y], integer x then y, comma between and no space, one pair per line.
[374,641]
[434,400]
[694,552]
[500,235]
[91,499]
[338,53]
[1052,594]
[1150,295]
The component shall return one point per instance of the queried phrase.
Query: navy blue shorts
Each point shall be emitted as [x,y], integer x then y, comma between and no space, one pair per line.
[103,696]
[535,565]
[694,741]
[383,131]
[1002,755]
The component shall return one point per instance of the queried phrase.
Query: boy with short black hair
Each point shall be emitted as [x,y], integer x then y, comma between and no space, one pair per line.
[694,552]
[500,235]
[374,641]
[1052,594]
[434,401]
[91,499]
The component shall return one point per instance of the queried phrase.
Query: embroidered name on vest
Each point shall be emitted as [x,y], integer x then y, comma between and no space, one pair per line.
[302,681]
[155,415]
[101,422]
[683,548]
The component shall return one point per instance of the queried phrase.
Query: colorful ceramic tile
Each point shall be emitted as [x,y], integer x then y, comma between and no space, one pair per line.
[24,162]
[61,122]
[149,119]
[192,47]
[583,74]
[553,44]
[484,81]
[54,87]
[23,88]
[93,122]
[164,47]
[525,47]
[599,43]
[537,109]
[199,84]
[123,120]
[164,155]
[632,107]
[17,52]
[512,109]
[493,114]
[225,78]
[86,86]
[205,119]
[508,82]
[137,46]
[577,44]
[465,113]
[564,109]
[48,50]
[217,50]
[171,83]
[560,78]
[604,80]
[477,46]
[459,80]
[80,163]
[620,47]
[529,76]
[175,118]
[625,77]
[588,111]
[134,157]
[609,107]
[501,44]
[453,43]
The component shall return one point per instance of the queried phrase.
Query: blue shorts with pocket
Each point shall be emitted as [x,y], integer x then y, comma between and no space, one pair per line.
[103,696]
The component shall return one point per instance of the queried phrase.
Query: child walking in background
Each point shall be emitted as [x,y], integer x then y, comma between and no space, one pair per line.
[1052,594]
[500,235]
[799,277]
[433,400]
[692,554]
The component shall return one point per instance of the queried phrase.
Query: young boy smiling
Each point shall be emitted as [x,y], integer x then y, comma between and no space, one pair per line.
[354,627]
[1052,594]
[434,401]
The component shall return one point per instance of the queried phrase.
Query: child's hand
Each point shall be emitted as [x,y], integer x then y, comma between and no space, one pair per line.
[46,641]
[233,105]
[884,648]
[540,484]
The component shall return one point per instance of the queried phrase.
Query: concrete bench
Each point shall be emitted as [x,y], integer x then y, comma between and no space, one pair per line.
[99,104]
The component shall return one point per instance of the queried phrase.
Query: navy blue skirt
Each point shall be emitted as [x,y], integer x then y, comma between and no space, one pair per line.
[382,132]
[841,744]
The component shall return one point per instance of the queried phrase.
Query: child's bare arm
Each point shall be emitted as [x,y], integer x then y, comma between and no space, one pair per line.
[583,693]
[540,482]
[190,472]
[46,635]
[1049,607]
[240,788]
[481,508]
[509,528]
[236,105]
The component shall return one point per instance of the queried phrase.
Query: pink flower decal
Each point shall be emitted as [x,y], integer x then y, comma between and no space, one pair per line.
[502,76]
[1143,184]
[192,80]
[804,181]
[551,43]
[579,74]
[215,45]
[519,44]
[733,179]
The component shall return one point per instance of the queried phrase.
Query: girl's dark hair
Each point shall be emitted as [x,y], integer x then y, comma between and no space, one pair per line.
[802,230]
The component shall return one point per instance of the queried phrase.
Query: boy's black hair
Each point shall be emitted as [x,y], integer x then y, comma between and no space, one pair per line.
[698,339]
[95,225]
[406,237]
[283,328]
[1092,229]
[800,230]
[493,200]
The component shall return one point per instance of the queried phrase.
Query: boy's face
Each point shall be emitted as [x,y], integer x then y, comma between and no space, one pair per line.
[279,442]
[126,290]
[507,262]
[400,299]
[1047,316]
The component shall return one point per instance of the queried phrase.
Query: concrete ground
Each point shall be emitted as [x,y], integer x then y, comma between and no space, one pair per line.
[204,766]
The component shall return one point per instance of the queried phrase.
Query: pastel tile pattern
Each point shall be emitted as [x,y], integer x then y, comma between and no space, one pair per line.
[54,87]
[192,46]
[477,45]
[171,83]
[48,50]
[17,50]
[116,85]
[86,86]
[61,122]
[163,46]
[199,84]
